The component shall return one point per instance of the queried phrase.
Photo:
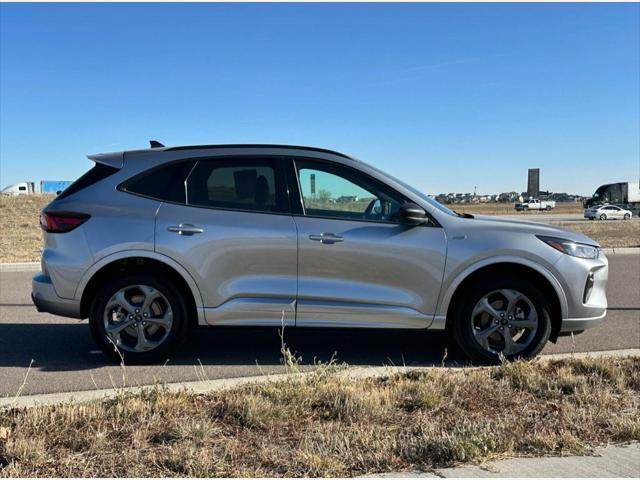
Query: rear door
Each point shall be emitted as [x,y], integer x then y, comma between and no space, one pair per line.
[358,266]
[232,230]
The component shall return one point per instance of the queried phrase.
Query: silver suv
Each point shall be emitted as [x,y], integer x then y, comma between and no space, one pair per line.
[149,243]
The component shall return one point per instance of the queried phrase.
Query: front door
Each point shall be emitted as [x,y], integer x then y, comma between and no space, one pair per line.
[235,235]
[357,265]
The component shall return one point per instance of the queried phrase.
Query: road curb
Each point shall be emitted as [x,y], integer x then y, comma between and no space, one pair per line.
[622,251]
[208,386]
[20,267]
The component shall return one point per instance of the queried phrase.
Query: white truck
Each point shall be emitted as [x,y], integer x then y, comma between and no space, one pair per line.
[535,204]
[21,188]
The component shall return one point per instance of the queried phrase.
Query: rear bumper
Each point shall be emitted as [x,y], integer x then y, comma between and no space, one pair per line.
[45,299]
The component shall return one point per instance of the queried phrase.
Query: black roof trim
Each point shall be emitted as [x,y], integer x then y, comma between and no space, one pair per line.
[256,145]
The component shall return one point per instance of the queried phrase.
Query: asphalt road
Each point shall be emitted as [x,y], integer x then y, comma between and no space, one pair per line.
[556,217]
[65,359]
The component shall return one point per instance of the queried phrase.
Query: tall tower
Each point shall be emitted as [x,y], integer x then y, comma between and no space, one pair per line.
[533,183]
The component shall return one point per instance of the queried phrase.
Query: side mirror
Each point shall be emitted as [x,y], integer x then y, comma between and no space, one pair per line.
[412,214]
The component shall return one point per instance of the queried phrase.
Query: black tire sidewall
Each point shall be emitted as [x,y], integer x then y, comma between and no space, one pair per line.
[461,325]
[173,296]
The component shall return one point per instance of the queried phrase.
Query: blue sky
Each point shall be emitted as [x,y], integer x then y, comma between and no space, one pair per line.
[444,96]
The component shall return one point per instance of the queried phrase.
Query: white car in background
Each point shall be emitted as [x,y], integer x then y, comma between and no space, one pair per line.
[607,212]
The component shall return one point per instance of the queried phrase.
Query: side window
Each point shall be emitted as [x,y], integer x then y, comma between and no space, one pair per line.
[165,183]
[242,184]
[335,192]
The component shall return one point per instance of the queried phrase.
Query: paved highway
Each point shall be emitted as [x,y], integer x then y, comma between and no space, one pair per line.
[556,217]
[64,357]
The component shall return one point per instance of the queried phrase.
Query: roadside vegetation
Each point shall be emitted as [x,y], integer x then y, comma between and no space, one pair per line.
[509,209]
[21,238]
[330,424]
[613,233]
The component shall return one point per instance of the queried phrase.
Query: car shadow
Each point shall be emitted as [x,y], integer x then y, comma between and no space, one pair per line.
[66,347]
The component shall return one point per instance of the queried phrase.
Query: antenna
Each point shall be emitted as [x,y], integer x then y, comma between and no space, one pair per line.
[155,144]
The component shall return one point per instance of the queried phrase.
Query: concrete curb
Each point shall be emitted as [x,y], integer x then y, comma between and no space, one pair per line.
[35,266]
[207,386]
[20,267]
[622,251]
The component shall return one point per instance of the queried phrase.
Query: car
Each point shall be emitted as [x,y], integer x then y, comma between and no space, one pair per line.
[607,212]
[151,243]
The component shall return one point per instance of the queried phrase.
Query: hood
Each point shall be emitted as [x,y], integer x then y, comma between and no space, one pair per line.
[528,226]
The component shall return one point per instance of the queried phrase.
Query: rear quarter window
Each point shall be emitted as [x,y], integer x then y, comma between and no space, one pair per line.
[166,183]
[97,173]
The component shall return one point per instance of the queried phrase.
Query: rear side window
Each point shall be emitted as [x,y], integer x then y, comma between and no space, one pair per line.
[253,184]
[91,177]
[165,183]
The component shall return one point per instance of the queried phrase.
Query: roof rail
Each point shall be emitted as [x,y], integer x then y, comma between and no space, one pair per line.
[256,145]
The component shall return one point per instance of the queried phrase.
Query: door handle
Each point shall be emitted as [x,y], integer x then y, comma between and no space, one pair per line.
[185,229]
[327,238]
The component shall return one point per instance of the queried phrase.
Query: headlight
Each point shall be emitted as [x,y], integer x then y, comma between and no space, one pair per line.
[574,249]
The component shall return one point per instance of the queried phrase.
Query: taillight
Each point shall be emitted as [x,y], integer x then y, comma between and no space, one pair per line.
[61,222]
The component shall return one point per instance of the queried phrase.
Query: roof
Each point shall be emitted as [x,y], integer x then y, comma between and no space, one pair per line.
[116,159]
[253,145]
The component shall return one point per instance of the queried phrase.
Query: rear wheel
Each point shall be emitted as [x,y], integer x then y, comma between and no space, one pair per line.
[505,316]
[139,317]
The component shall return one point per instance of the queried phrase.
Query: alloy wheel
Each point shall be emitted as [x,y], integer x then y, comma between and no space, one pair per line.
[504,322]
[138,318]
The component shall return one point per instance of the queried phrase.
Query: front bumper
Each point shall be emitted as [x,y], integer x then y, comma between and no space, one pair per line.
[576,325]
[46,299]
[584,283]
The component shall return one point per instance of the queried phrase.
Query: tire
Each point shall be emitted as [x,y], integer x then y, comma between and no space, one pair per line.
[165,325]
[548,208]
[603,216]
[524,209]
[464,327]
[627,216]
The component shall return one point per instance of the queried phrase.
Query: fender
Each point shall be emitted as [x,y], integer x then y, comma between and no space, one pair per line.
[113,257]
[443,305]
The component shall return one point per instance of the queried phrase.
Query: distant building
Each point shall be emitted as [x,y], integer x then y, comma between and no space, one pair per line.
[533,183]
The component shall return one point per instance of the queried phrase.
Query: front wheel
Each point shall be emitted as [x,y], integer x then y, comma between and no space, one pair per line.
[603,216]
[627,216]
[138,318]
[507,317]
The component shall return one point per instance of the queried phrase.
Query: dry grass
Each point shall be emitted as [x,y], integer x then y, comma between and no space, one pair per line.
[610,233]
[328,425]
[509,208]
[21,237]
